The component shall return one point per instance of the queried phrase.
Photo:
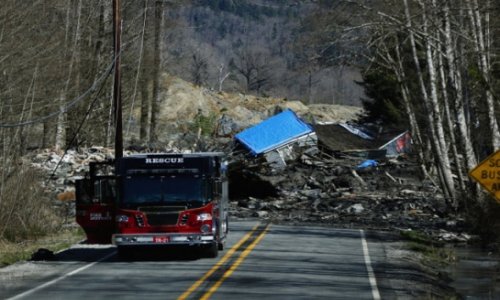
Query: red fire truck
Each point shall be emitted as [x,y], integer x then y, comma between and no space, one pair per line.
[156,200]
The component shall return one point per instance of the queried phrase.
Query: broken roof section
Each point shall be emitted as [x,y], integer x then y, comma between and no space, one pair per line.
[399,144]
[274,132]
[338,138]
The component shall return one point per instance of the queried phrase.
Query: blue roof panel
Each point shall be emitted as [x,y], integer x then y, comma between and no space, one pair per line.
[273,132]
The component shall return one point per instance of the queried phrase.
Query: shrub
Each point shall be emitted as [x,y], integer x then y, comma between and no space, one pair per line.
[26,211]
[207,124]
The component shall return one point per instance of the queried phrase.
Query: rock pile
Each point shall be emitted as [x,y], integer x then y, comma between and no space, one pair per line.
[64,168]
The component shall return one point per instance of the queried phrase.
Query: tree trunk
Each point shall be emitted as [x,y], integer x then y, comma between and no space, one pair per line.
[484,67]
[61,118]
[156,71]
[443,158]
[434,138]
[108,105]
[143,132]
[456,85]
[410,112]
[449,124]
[139,69]
[61,131]
[3,155]
[222,77]
[455,79]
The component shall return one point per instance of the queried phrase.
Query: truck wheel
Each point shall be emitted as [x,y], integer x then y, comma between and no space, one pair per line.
[125,252]
[212,251]
[223,234]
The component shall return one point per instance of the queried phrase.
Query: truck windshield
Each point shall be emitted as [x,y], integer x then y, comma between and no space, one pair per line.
[151,190]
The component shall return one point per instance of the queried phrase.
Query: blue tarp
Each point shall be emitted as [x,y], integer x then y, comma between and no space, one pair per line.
[274,132]
[366,164]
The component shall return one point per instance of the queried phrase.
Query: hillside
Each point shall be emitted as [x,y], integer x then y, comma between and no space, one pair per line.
[182,103]
[265,48]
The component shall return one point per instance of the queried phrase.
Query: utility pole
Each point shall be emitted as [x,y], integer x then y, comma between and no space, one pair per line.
[117,93]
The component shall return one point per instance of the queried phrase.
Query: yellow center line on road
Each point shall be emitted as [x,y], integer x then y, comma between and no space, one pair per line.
[228,255]
[240,259]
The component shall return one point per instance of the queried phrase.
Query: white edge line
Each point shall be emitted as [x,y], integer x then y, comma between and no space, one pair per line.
[369,269]
[53,281]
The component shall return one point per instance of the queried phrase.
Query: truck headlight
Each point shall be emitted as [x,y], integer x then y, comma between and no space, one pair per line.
[204,217]
[205,228]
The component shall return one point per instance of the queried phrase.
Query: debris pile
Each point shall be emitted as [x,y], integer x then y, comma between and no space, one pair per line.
[387,195]
[63,169]
[345,177]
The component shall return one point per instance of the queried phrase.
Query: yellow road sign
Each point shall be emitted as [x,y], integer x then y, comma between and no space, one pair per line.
[487,174]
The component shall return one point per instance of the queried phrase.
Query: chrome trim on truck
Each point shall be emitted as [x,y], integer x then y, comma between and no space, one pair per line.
[161,239]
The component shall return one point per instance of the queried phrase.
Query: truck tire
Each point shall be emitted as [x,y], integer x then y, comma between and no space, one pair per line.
[212,251]
[125,253]
[222,239]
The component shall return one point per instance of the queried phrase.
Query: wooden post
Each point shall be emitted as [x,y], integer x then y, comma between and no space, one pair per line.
[117,95]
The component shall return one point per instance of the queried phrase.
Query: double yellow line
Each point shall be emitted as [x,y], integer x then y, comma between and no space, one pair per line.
[222,261]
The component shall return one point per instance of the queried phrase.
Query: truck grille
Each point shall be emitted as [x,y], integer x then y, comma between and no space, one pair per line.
[162,218]
[163,215]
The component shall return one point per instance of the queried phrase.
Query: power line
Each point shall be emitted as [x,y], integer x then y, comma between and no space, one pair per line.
[68,105]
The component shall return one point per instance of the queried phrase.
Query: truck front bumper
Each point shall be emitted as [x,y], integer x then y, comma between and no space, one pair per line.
[149,239]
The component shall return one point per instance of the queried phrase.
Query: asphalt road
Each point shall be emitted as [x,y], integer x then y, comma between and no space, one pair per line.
[260,261]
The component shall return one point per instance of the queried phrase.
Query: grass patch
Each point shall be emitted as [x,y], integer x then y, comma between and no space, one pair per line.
[420,237]
[433,252]
[11,252]
[433,256]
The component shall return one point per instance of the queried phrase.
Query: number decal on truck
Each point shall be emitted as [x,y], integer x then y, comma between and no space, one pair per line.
[160,239]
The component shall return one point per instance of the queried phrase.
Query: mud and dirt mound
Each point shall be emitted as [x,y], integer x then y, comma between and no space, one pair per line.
[183,103]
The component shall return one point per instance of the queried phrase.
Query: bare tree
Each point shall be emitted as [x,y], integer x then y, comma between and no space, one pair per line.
[481,37]
[156,70]
[198,68]
[222,76]
[142,128]
[253,66]
[61,121]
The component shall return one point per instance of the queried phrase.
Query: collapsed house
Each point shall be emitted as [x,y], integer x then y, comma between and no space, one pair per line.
[284,137]
[279,138]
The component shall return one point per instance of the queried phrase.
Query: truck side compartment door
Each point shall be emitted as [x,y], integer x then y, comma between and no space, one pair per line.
[95,203]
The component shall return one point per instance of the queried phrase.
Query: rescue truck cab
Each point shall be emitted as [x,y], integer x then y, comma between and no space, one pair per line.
[156,200]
